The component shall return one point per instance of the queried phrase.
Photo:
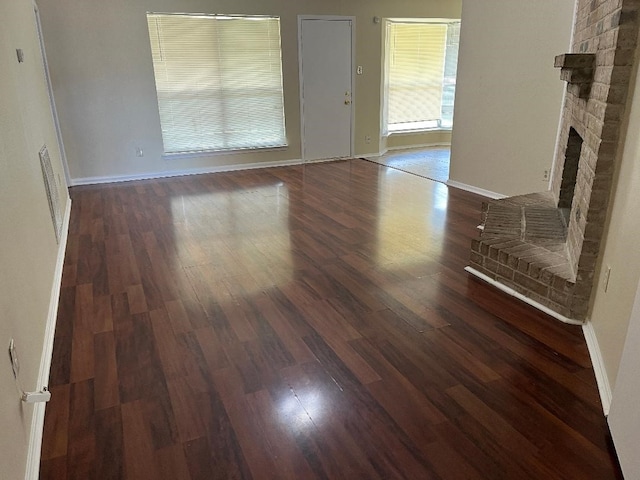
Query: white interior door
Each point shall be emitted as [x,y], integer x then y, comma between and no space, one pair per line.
[624,414]
[326,79]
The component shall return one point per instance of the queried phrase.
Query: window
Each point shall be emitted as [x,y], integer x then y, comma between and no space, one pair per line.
[218,80]
[420,77]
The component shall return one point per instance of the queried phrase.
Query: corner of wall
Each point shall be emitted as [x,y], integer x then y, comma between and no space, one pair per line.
[604,386]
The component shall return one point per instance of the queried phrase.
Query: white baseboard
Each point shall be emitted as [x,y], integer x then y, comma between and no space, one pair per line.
[472,189]
[325,160]
[368,156]
[519,296]
[179,173]
[37,421]
[604,387]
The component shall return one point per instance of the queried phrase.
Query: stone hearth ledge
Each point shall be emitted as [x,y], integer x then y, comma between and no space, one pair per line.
[522,251]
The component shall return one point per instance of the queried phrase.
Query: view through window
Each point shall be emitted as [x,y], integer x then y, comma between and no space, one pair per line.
[420,74]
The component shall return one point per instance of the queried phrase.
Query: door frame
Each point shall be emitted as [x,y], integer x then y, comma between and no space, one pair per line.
[301,18]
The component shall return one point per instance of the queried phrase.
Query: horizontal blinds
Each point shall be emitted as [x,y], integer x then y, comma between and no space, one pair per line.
[416,71]
[218,80]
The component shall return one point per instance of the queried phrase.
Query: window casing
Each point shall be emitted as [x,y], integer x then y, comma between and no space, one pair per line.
[218,80]
[421,60]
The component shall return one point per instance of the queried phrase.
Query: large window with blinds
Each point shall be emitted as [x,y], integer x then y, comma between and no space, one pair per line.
[420,74]
[218,80]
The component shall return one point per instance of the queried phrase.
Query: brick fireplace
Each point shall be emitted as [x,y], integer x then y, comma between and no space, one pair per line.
[543,247]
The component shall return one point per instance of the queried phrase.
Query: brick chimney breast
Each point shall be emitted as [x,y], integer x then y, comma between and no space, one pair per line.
[544,246]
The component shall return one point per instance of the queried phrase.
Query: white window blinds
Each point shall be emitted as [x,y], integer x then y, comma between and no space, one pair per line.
[218,80]
[420,76]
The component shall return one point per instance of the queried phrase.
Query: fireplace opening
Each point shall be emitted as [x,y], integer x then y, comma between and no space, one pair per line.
[569,174]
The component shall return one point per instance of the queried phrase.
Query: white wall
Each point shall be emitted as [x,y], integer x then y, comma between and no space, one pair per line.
[103,80]
[623,418]
[611,310]
[28,249]
[509,95]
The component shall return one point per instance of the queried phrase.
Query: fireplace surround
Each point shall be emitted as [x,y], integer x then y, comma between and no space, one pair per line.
[543,247]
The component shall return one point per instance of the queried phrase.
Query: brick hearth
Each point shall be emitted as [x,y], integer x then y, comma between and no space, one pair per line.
[523,246]
[545,245]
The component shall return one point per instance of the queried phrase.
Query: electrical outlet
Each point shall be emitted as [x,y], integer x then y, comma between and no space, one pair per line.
[545,175]
[13,358]
[367,139]
[607,276]
[139,152]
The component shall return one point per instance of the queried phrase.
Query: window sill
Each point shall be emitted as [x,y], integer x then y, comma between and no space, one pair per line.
[216,153]
[418,130]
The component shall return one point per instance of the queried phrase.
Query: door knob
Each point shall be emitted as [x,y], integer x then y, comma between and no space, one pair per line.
[347,102]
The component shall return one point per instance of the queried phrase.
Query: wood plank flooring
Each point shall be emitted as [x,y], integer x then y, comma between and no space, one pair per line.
[305,323]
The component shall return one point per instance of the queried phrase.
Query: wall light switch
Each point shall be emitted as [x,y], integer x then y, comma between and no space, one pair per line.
[359,70]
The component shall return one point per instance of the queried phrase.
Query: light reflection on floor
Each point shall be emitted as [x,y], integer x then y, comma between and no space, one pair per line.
[431,162]
[253,242]
[411,219]
[297,413]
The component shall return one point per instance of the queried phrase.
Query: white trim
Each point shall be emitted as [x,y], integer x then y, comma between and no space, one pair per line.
[179,173]
[384,104]
[37,421]
[519,296]
[604,386]
[353,85]
[384,151]
[477,190]
[602,379]
[301,86]
[418,131]
[423,20]
[420,145]
[325,160]
[367,156]
[52,100]
[352,19]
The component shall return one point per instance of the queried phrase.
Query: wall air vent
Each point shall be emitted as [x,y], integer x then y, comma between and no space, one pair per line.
[51,187]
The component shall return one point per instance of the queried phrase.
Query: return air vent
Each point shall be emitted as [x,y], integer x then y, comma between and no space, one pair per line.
[51,187]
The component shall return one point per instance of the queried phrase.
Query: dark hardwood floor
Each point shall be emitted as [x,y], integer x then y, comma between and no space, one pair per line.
[301,323]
